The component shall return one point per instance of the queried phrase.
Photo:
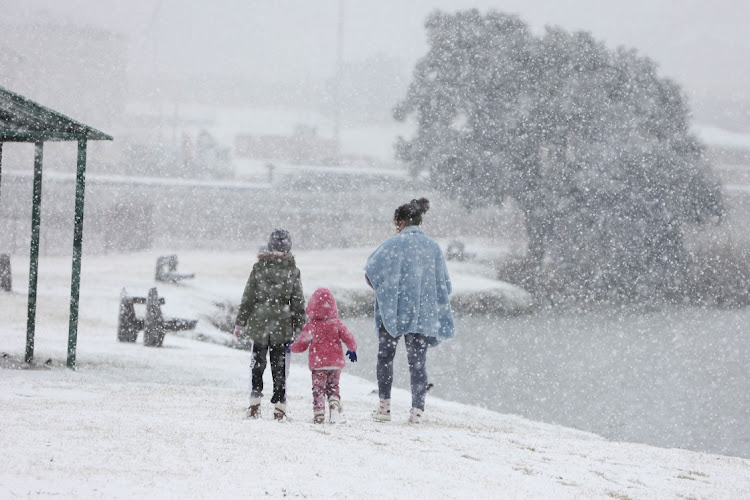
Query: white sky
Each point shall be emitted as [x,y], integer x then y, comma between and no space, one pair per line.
[703,45]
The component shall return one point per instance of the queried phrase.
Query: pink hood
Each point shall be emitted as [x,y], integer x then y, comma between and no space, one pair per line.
[322,305]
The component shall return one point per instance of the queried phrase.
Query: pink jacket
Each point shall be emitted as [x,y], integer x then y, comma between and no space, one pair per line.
[324,333]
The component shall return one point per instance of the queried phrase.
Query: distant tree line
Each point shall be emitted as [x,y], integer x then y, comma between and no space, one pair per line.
[590,143]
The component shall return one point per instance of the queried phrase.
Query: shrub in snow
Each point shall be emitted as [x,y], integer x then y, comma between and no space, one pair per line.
[354,301]
[492,301]
[500,298]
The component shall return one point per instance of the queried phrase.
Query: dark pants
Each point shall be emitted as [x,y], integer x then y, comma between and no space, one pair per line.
[277,353]
[416,355]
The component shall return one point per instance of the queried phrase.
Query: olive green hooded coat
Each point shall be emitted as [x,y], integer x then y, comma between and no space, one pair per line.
[273,306]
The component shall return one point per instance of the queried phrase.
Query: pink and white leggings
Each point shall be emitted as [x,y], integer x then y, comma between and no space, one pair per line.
[325,384]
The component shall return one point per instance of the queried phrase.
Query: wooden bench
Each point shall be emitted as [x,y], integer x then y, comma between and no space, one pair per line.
[166,270]
[153,324]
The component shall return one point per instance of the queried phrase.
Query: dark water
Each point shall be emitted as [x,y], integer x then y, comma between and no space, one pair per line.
[678,378]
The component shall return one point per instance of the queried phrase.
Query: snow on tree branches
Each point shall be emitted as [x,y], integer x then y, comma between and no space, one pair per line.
[590,143]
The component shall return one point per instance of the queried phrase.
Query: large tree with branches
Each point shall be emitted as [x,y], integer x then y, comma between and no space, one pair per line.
[591,143]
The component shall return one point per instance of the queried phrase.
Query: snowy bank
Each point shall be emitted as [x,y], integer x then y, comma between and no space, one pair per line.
[474,288]
[149,422]
[342,270]
[714,136]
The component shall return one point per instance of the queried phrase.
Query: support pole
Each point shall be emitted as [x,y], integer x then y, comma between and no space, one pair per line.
[75,282]
[1,167]
[34,250]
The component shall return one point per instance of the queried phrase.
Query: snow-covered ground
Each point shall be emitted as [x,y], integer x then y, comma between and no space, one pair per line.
[168,422]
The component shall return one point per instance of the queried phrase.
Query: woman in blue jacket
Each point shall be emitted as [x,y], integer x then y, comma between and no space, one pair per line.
[411,283]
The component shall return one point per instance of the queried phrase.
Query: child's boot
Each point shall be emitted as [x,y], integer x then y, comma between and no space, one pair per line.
[319,417]
[279,412]
[253,411]
[336,411]
[415,416]
[383,413]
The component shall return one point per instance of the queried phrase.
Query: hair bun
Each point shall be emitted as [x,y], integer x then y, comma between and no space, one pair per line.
[411,213]
[422,205]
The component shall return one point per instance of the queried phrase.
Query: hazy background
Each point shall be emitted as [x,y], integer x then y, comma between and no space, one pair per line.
[181,85]
[187,49]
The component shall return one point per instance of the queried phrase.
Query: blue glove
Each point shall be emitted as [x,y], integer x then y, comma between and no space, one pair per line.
[288,347]
[352,356]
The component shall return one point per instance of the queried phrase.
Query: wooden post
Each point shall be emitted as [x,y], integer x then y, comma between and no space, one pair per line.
[6,277]
[75,282]
[1,167]
[34,250]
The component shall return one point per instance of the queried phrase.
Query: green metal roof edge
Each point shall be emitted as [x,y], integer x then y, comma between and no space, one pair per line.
[33,136]
[46,115]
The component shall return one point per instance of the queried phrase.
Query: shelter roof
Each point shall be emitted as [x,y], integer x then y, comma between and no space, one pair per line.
[23,120]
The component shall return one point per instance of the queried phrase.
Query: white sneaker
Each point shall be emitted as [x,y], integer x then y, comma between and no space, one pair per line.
[336,411]
[415,416]
[383,413]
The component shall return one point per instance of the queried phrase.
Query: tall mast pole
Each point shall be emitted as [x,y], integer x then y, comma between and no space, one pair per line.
[339,76]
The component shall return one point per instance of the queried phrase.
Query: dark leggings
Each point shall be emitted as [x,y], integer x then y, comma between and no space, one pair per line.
[278,371]
[416,354]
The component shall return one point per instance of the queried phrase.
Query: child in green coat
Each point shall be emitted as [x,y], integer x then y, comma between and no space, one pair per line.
[271,315]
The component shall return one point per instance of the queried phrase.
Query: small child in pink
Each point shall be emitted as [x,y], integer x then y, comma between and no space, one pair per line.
[323,334]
